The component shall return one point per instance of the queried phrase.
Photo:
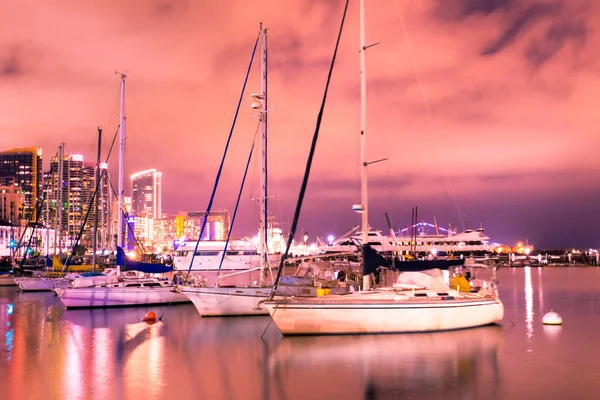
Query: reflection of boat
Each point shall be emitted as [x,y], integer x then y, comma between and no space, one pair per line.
[462,362]
[7,280]
[110,317]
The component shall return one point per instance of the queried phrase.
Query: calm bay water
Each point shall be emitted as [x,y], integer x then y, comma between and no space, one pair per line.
[47,352]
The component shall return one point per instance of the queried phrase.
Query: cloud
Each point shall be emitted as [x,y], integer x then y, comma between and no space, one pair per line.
[167,8]
[489,102]
[458,10]
[556,37]
[518,23]
[12,63]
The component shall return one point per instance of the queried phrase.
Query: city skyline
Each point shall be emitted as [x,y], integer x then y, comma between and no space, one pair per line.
[484,109]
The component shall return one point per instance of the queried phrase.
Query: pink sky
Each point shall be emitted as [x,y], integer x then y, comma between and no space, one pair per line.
[484,108]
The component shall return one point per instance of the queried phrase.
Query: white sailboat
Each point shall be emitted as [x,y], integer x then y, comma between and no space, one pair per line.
[121,293]
[230,300]
[114,289]
[412,305]
[40,284]
[222,301]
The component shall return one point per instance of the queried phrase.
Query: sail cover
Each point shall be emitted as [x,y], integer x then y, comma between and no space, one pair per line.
[373,260]
[148,268]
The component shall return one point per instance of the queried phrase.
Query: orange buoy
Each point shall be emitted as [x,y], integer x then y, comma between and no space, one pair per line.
[149,317]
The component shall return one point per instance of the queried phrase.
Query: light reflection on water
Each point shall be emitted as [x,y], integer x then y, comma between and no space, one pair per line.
[111,354]
[529,305]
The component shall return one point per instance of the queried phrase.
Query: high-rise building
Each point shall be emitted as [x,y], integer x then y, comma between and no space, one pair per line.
[70,203]
[146,198]
[22,167]
[95,194]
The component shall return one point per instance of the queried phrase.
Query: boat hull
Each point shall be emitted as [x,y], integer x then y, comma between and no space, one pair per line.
[352,315]
[41,284]
[226,301]
[239,301]
[118,297]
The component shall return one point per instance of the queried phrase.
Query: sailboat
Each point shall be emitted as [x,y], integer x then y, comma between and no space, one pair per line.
[230,300]
[420,301]
[113,288]
[237,300]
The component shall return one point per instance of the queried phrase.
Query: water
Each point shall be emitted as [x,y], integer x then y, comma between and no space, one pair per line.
[47,352]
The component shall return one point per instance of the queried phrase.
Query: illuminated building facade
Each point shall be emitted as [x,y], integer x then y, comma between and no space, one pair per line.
[128,223]
[74,197]
[217,225]
[11,220]
[167,233]
[22,167]
[11,204]
[146,198]
[93,194]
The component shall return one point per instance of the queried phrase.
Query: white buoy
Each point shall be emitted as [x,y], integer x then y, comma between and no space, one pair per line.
[552,318]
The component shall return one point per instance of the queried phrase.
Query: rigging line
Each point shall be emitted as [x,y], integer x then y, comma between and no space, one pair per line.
[275,192]
[83,223]
[37,208]
[212,197]
[310,159]
[330,198]
[265,217]
[238,201]
[135,103]
[427,105]
[275,184]
[108,156]
[112,112]
[138,244]
[38,211]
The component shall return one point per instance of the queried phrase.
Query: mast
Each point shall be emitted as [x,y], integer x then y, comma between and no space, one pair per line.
[121,164]
[95,243]
[263,232]
[363,140]
[107,238]
[47,222]
[59,194]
